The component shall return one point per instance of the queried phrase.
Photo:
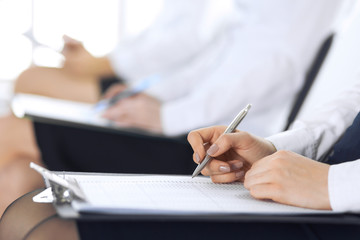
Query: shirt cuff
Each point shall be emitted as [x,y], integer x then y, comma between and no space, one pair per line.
[297,140]
[122,63]
[344,186]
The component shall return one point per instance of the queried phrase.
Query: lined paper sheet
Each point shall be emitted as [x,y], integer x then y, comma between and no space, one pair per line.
[161,194]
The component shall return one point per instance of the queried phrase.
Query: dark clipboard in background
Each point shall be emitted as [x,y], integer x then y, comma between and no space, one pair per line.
[74,114]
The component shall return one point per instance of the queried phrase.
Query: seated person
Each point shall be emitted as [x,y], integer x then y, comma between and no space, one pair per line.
[282,168]
[241,50]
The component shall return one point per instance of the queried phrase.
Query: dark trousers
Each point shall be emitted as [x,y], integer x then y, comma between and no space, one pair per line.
[214,230]
[77,149]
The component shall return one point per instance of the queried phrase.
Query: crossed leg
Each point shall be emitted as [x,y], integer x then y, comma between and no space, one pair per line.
[17,140]
[25,219]
[16,179]
[17,135]
[58,83]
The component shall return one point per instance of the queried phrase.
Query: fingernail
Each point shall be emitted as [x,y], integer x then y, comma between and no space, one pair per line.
[237,166]
[224,168]
[197,158]
[239,174]
[213,149]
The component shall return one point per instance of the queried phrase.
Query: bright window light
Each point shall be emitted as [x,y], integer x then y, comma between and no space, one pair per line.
[44,56]
[32,30]
[94,22]
[16,51]
[15,16]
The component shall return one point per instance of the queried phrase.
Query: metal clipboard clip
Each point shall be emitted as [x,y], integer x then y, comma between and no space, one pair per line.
[64,191]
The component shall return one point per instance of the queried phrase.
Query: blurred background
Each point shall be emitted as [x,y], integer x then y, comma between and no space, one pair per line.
[31,31]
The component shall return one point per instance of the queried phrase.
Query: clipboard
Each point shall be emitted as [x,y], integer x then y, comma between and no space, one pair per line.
[71,113]
[66,191]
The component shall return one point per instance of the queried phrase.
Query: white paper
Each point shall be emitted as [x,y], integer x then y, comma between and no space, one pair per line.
[162,194]
[44,109]
[51,108]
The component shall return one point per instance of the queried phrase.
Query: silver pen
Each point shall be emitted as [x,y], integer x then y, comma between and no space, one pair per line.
[140,87]
[233,125]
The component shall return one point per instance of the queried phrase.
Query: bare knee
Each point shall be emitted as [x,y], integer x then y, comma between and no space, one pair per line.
[57,83]
[29,81]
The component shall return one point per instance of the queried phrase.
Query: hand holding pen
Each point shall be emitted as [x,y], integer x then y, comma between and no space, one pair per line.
[231,128]
[79,61]
[231,154]
[133,108]
[119,92]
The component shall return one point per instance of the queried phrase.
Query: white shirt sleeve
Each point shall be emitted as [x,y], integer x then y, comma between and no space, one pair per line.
[263,62]
[218,98]
[314,136]
[344,186]
[170,41]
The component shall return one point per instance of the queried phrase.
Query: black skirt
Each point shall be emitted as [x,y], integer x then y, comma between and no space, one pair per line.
[89,230]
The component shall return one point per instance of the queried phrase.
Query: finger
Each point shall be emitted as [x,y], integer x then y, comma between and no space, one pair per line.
[198,138]
[262,177]
[228,141]
[266,191]
[70,46]
[215,167]
[113,90]
[196,157]
[115,113]
[228,177]
[70,40]
[122,107]
[220,167]
[69,50]
[260,166]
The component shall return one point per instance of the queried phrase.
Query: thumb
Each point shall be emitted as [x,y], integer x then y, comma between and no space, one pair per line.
[228,141]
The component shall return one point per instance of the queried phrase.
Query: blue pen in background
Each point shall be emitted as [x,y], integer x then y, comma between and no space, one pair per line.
[138,88]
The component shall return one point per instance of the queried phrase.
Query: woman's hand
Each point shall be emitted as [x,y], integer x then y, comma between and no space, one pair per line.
[80,62]
[113,90]
[139,111]
[289,178]
[282,176]
[233,153]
